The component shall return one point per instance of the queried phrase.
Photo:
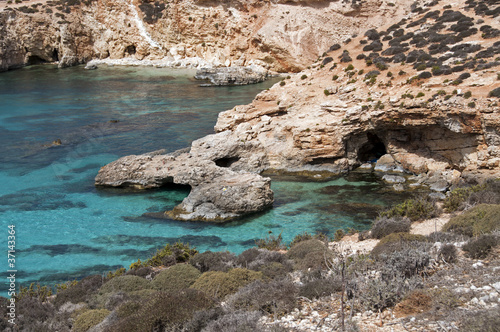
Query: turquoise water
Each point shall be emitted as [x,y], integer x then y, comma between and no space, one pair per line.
[66,228]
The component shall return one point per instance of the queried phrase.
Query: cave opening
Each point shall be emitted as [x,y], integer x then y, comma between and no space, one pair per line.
[35,60]
[226,161]
[373,149]
[55,55]
[130,50]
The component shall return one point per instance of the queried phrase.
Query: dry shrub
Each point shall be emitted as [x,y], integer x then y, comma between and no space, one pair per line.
[214,261]
[415,209]
[448,253]
[481,321]
[414,303]
[480,247]
[237,321]
[395,241]
[274,270]
[163,312]
[220,284]
[301,249]
[79,292]
[320,287]
[176,278]
[275,297]
[384,226]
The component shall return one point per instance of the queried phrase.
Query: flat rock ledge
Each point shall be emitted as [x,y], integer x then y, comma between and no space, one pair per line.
[217,194]
[232,75]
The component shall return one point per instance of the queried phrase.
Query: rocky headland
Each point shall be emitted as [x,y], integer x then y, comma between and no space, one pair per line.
[418,96]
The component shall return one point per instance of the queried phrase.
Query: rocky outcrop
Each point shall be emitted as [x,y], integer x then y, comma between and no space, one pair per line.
[217,192]
[232,75]
[277,35]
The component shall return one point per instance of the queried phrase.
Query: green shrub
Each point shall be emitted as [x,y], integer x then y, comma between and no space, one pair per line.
[282,83]
[214,261]
[414,209]
[315,260]
[301,249]
[481,219]
[458,196]
[467,95]
[335,77]
[275,297]
[480,247]
[220,284]
[272,242]
[176,278]
[339,234]
[164,312]
[89,319]
[125,284]
[471,104]
[482,321]
[169,255]
[80,291]
[384,226]
[306,236]
[303,77]
[326,92]
[420,94]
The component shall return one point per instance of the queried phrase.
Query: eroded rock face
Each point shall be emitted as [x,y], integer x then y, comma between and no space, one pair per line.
[217,193]
[232,75]
[277,35]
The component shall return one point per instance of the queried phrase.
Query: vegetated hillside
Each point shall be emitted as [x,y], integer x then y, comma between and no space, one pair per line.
[390,279]
[424,90]
[279,35]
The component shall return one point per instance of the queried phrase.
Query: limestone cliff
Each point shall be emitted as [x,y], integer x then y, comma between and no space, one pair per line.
[279,35]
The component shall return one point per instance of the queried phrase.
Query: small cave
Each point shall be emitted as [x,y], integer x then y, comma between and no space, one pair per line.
[130,50]
[323,160]
[373,149]
[35,60]
[55,55]
[226,161]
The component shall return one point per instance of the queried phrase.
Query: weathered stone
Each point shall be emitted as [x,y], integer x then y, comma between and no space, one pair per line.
[232,75]
[217,193]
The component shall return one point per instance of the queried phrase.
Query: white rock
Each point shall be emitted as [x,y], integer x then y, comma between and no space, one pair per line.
[393,179]
[497,286]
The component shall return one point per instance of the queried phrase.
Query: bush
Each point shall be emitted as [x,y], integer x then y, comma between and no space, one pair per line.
[89,319]
[414,209]
[169,255]
[272,242]
[238,321]
[415,303]
[301,249]
[395,241]
[406,261]
[220,284]
[164,312]
[275,297]
[282,83]
[274,270]
[335,77]
[384,226]
[303,77]
[481,321]
[214,261]
[326,92]
[80,291]
[320,287]
[448,253]
[315,260]
[458,196]
[127,283]
[176,278]
[480,247]
[494,93]
[481,219]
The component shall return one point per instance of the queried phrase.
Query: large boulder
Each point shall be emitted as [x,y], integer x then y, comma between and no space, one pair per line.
[232,75]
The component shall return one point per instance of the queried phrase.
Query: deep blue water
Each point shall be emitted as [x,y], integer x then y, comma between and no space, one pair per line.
[66,228]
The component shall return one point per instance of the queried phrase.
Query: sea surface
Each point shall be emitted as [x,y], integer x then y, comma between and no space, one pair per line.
[66,228]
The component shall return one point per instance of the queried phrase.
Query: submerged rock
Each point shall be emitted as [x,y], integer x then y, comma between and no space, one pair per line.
[217,193]
[232,75]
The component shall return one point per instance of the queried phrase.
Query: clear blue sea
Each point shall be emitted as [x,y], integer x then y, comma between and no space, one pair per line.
[67,229]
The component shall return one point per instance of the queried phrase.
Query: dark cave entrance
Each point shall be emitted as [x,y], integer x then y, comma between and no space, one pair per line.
[35,60]
[130,50]
[226,161]
[373,149]
[55,55]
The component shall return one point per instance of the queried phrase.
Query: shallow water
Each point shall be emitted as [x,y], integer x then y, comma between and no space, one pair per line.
[66,228]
